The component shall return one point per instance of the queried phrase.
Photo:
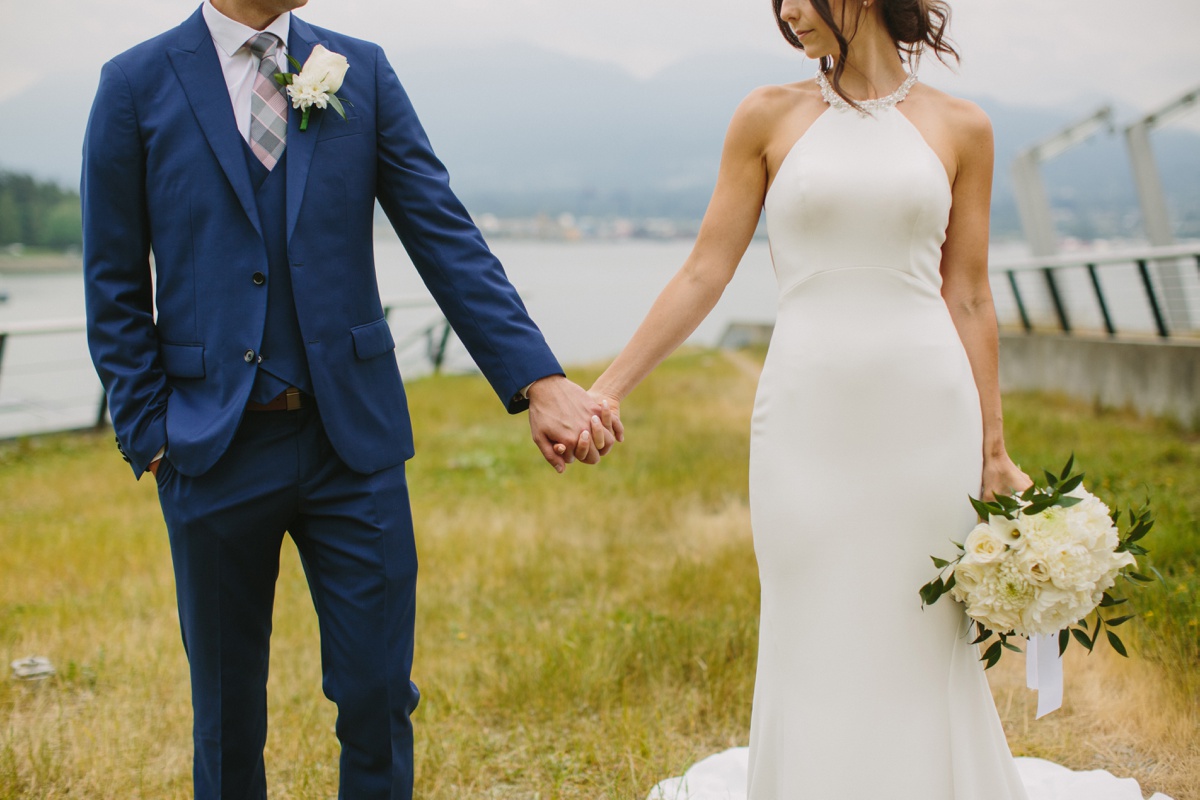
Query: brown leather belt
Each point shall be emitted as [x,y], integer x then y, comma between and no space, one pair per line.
[291,400]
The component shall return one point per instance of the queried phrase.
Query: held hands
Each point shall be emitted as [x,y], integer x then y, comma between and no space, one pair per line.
[568,424]
[605,431]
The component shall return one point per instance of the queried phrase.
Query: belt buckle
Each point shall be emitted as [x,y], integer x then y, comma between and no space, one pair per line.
[292,399]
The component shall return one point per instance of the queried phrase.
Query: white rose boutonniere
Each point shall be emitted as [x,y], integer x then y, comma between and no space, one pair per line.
[316,83]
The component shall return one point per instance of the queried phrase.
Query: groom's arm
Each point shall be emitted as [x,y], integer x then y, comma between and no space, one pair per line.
[465,279]
[116,265]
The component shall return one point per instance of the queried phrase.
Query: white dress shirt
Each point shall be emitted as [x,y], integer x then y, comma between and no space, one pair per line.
[237,62]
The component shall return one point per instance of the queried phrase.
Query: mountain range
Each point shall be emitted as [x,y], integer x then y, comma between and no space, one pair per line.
[527,131]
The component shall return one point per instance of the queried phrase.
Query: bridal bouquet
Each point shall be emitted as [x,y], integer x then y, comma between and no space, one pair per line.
[1041,563]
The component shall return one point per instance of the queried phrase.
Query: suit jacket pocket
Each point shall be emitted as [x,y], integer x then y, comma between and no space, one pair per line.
[335,127]
[373,339]
[182,360]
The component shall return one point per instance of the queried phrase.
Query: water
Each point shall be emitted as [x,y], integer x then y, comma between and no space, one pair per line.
[587,297]
[46,382]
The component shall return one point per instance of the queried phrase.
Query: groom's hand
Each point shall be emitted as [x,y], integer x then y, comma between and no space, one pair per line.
[558,411]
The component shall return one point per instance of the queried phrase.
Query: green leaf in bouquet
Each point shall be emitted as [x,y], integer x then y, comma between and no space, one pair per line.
[1108,601]
[1071,484]
[1067,469]
[1082,638]
[1137,576]
[1117,644]
[1140,530]
[984,510]
[931,591]
[1112,623]
[984,634]
[950,583]
[1008,502]
[1051,478]
[1012,647]
[1030,493]
[1064,639]
[940,563]
[992,655]
[1067,502]
[296,64]
[1038,506]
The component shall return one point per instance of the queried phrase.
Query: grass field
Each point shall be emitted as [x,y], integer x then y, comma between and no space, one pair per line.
[579,636]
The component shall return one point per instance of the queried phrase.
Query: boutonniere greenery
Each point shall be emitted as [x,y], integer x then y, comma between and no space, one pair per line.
[316,83]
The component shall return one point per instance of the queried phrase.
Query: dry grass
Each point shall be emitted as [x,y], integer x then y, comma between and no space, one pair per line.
[1122,715]
[578,637]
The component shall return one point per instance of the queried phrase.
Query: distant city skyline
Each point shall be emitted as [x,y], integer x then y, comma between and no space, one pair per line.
[1066,53]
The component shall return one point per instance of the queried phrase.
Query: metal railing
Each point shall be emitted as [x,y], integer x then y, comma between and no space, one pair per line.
[51,328]
[1149,290]
[434,334]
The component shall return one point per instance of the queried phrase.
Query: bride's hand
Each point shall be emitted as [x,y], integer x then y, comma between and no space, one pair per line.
[1002,476]
[606,430]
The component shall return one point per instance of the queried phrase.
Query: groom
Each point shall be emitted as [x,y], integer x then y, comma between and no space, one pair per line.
[252,371]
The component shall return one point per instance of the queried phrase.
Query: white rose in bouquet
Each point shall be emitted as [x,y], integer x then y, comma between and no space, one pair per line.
[984,545]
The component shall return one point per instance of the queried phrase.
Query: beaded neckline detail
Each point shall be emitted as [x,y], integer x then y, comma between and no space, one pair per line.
[866,107]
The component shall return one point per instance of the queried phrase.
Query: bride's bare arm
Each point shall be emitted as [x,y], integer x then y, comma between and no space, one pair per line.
[967,291]
[725,233]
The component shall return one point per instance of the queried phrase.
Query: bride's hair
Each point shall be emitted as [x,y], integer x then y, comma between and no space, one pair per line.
[914,25]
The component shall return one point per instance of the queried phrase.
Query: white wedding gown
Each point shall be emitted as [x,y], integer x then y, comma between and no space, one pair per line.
[866,441]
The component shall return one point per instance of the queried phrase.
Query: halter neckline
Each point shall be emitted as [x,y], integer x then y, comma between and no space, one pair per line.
[865,107]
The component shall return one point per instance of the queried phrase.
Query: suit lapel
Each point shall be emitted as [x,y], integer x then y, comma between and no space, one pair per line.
[199,72]
[300,144]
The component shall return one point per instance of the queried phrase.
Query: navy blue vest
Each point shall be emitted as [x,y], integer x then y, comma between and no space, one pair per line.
[284,362]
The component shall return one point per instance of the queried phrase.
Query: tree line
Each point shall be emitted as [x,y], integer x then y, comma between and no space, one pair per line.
[38,213]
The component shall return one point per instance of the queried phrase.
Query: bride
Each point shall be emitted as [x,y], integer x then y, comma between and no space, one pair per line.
[877,414]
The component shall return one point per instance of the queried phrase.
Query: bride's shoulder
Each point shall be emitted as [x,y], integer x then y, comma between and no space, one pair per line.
[782,99]
[769,106]
[957,114]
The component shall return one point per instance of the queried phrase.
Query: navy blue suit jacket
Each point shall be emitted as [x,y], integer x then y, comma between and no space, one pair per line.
[164,170]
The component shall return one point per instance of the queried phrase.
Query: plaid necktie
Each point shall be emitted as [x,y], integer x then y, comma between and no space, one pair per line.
[268,105]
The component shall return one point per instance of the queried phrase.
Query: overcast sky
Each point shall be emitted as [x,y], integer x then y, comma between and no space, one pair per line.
[1070,53]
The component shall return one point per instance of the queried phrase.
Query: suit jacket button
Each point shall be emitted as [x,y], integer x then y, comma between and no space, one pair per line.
[249,356]
[259,279]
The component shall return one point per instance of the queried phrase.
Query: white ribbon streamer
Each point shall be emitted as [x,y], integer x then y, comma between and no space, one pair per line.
[1044,672]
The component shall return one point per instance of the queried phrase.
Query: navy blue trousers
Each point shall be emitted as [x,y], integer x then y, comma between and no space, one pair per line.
[355,538]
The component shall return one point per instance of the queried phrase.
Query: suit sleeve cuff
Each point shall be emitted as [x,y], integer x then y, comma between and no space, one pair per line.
[520,401]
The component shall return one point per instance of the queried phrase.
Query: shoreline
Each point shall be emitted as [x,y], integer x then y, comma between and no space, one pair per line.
[40,264]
